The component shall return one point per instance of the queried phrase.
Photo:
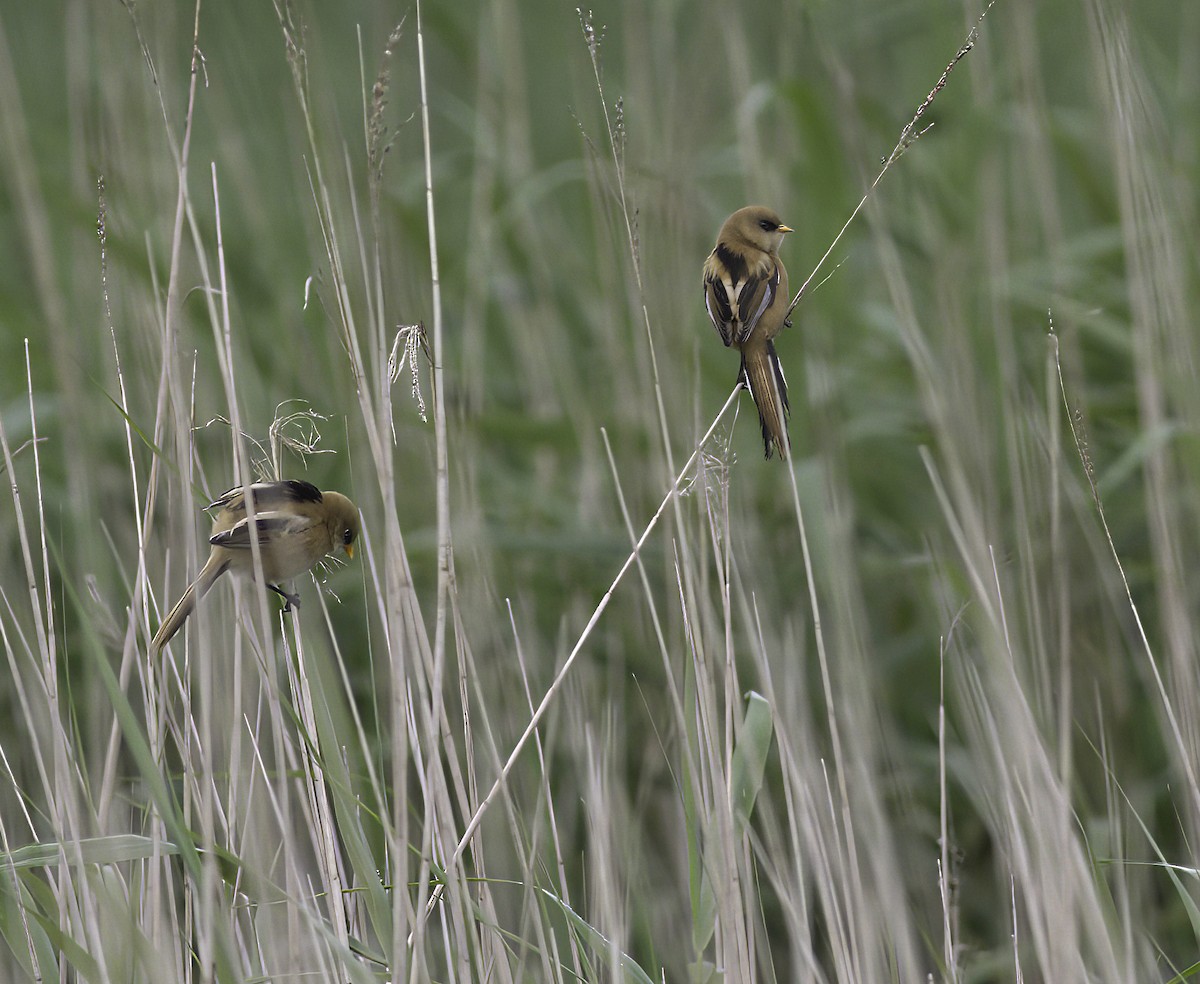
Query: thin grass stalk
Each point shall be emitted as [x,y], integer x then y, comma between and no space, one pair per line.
[445,566]
[556,684]
[552,818]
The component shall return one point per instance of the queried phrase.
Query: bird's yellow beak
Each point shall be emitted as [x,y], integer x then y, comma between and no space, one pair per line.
[784,228]
[350,550]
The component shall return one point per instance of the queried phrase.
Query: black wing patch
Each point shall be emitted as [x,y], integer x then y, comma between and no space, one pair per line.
[299,491]
[734,263]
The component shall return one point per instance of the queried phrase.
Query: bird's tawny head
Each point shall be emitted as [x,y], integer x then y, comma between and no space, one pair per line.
[344,523]
[755,226]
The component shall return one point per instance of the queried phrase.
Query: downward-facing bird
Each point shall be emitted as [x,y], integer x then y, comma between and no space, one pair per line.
[746,293]
[296,526]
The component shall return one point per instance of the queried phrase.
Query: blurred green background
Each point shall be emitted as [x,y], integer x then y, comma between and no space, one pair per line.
[1058,179]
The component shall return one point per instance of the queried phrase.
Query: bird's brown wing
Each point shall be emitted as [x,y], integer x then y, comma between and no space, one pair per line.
[755,296]
[268,496]
[270,527]
[737,293]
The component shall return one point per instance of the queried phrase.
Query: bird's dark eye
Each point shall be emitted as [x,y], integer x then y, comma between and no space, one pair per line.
[348,537]
[767,226]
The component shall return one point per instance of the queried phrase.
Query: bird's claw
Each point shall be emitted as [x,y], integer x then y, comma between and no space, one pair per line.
[290,600]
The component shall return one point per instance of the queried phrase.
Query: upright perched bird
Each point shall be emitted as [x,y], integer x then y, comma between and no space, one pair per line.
[746,293]
[296,526]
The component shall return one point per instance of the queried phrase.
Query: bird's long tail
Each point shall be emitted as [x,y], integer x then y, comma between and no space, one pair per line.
[762,374]
[187,604]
